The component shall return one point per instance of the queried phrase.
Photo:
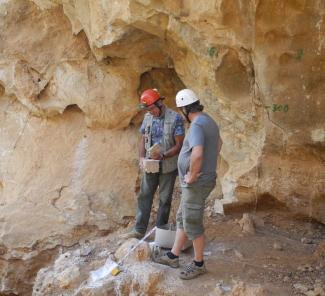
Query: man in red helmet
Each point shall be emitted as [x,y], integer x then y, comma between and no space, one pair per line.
[165,127]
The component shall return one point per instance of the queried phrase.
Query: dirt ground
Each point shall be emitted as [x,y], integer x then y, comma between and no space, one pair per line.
[282,253]
[253,250]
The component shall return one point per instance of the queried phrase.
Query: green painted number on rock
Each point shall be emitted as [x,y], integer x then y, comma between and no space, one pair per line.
[278,108]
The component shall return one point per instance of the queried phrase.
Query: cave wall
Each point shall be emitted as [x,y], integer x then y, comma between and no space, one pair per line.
[71,72]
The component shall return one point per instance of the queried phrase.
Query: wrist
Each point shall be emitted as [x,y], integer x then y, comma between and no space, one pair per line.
[192,177]
[167,154]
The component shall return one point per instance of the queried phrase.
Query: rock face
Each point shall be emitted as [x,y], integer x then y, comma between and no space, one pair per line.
[133,253]
[71,273]
[70,76]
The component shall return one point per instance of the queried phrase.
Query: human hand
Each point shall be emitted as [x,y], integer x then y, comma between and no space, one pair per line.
[156,156]
[154,151]
[190,178]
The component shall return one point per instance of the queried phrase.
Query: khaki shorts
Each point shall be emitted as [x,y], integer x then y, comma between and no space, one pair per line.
[191,209]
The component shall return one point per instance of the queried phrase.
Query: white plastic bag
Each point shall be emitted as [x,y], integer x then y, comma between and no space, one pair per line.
[103,271]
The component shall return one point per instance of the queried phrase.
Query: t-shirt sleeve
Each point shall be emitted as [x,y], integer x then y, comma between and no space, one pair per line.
[179,126]
[196,135]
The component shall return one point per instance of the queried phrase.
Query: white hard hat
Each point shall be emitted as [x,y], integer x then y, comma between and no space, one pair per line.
[186,97]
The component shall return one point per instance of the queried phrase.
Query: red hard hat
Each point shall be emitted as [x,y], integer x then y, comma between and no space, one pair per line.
[149,97]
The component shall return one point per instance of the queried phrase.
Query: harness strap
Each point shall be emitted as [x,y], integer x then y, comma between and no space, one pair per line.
[147,135]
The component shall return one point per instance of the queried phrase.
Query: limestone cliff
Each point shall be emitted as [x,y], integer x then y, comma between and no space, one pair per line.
[70,75]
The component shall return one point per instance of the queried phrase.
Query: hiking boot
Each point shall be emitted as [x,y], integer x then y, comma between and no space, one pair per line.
[192,271]
[165,260]
[132,234]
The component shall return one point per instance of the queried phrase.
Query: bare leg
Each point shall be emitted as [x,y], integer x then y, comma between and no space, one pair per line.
[198,245]
[179,241]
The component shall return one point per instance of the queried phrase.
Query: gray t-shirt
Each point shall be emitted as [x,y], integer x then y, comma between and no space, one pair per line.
[203,132]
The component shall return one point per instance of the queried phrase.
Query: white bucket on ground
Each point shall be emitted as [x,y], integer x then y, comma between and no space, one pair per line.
[165,237]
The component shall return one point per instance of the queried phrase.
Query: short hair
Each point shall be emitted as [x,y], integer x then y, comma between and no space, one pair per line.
[194,107]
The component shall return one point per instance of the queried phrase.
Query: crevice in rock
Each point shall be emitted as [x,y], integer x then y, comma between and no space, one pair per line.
[273,122]
[44,89]
[257,100]
[73,108]
[27,80]
[21,273]
[3,250]
[88,231]
[267,202]
[93,210]
[22,131]
[264,202]
[2,90]
[59,191]
[166,81]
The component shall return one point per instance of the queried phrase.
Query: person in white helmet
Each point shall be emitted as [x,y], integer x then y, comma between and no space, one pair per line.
[197,165]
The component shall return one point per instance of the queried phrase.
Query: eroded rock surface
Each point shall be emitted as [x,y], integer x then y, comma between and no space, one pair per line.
[70,76]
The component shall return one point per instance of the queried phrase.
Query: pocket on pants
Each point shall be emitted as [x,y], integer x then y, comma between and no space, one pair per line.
[193,214]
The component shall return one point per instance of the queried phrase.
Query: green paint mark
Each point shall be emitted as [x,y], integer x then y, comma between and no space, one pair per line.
[278,108]
[212,51]
[300,54]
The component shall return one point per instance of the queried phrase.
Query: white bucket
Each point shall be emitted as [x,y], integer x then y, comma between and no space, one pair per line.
[165,237]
